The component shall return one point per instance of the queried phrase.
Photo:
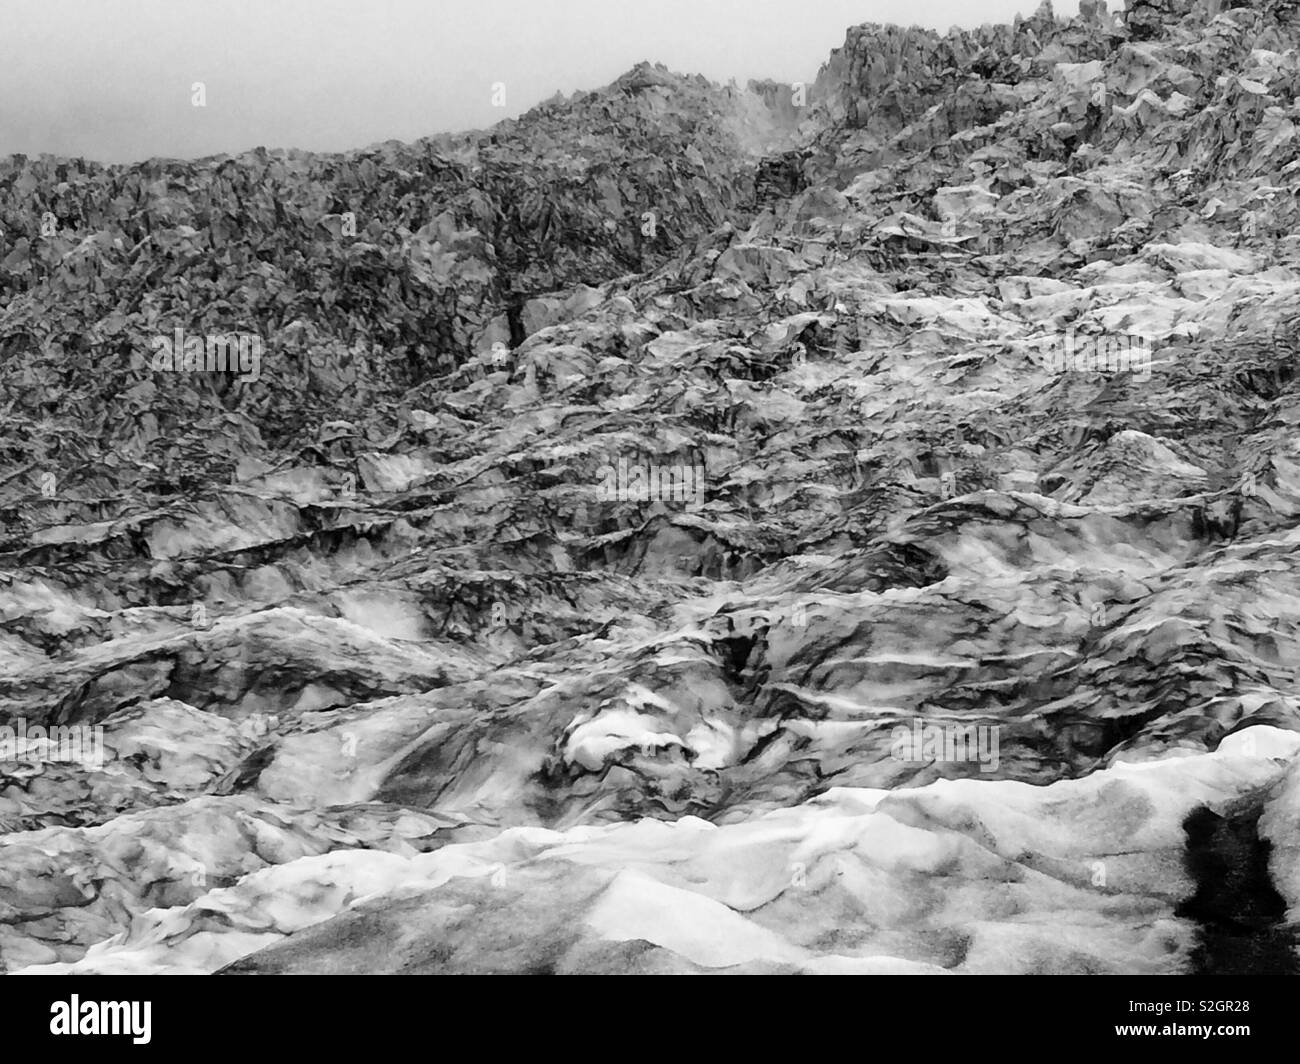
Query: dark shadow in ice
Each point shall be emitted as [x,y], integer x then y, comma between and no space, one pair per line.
[1240,912]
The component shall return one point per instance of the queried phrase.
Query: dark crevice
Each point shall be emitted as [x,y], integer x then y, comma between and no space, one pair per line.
[1240,913]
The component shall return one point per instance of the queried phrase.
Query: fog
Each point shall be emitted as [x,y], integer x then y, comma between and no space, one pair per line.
[114,79]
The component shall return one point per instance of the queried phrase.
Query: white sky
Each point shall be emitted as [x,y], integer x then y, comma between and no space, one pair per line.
[110,79]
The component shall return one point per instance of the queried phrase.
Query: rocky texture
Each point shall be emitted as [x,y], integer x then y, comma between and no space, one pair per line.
[974,381]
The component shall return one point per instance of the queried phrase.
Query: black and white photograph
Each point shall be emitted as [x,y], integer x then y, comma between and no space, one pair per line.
[697,487]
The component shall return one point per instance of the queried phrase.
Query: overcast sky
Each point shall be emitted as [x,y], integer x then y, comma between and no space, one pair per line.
[112,79]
